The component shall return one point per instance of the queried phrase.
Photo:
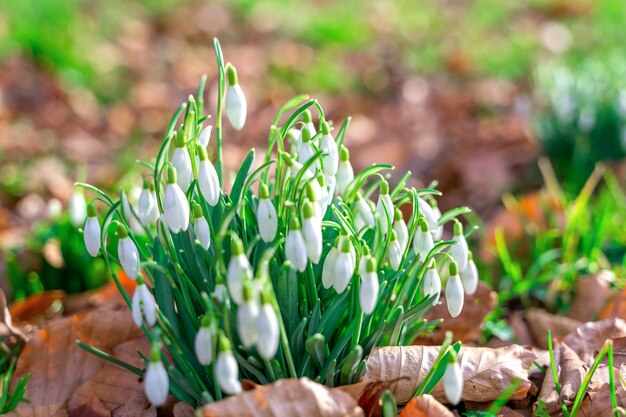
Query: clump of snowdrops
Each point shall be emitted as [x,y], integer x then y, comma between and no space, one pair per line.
[300,270]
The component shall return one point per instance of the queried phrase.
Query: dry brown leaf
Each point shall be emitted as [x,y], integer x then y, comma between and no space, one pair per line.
[9,335]
[536,322]
[503,412]
[137,406]
[425,406]
[467,326]
[486,372]
[35,305]
[571,373]
[592,293]
[588,339]
[106,296]
[62,374]
[286,398]
[615,307]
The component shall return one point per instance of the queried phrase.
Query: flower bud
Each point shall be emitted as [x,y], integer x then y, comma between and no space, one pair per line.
[156,382]
[344,266]
[459,250]
[368,293]
[226,369]
[246,317]
[295,248]
[92,231]
[127,252]
[267,218]
[454,291]
[239,270]
[432,282]
[423,239]
[201,227]
[384,207]
[453,380]
[204,341]
[312,234]
[208,181]
[345,173]
[77,208]
[267,327]
[330,157]
[175,204]
[143,305]
[182,162]
[469,276]
[236,106]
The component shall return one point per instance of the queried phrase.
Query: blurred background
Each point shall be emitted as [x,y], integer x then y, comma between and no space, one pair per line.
[468,92]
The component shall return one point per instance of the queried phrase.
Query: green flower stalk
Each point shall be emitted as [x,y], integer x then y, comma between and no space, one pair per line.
[292,271]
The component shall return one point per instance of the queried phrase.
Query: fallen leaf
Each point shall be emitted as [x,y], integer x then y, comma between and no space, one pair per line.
[137,406]
[425,406]
[10,337]
[35,305]
[615,307]
[465,327]
[571,374]
[588,339]
[591,294]
[286,398]
[536,322]
[105,296]
[486,372]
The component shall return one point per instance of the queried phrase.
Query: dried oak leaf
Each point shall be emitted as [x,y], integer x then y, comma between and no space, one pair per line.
[572,371]
[286,398]
[69,379]
[467,326]
[588,339]
[537,322]
[486,372]
[425,406]
[591,294]
[35,305]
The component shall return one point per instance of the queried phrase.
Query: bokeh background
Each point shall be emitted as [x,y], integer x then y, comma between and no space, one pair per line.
[468,92]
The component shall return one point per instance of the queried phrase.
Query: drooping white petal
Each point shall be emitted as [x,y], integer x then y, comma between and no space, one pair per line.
[205,136]
[203,232]
[312,233]
[77,208]
[145,206]
[236,106]
[364,212]
[267,220]
[176,208]
[402,231]
[182,163]
[329,267]
[344,269]
[428,212]
[368,293]
[143,306]
[238,270]
[453,383]
[344,176]
[295,250]
[469,278]
[423,243]
[394,254]
[208,182]
[307,152]
[454,295]
[156,384]
[459,251]
[128,256]
[204,345]
[331,154]
[268,332]
[92,235]
[432,284]
[385,211]
[246,322]
[227,372]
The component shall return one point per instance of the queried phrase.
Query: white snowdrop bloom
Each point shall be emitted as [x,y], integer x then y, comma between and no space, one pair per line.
[226,368]
[330,157]
[208,180]
[429,213]
[307,151]
[236,105]
[328,269]
[345,173]
[401,229]
[438,232]
[201,227]
[92,231]
[368,292]
[295,248]
[267,328]
[77,208]
[147,205]
[221,293]
[454,291]
[267,218]
[469,276]
[331,185]
[312,233]
[156,382]
[307,118]
[453,380]
[384,207]
[143,305]
[432,282]
[204,343]
[247,314]
[127,252]
[394,252]
[459,250]
[295,167]
[344,266]
[205,136]
[182,162]
[239,270]
[325,196]
[423,240]
[294,139]
[175,204]
[364,212]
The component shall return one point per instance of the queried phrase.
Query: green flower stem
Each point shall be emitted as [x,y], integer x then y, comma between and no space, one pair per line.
[221,83]
[611,371]
[284,341]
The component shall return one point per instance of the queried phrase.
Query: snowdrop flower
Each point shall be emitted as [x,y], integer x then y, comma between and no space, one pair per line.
[239,270]
[312,233]
[226,369]
[267,218]
[175,204]
[201,227]
[429,214]
[438,231]
[325,194]
[394,251]
[432,282]
[364,215]
[127,252]
[92,231]
[77,208]
[454,291]
[368,292]
[307,118]
[236,106]
[182,162]
[295,167]
[384,207]
[329,265]
[246,317]
[221,292]
[331,185]
[330,157]
[156,382]
[208,181]
[344,266]
[147,208]
[144,305]
[205,136]
[312,193]
[204,342]
[453,380]
[459,250]
[307,151]
[423,239]
[345,173]
[295,248]
[294,139]
[401,229]
[267,328]
[469,276]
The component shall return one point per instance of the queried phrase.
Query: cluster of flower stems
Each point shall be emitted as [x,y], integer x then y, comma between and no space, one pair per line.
[302,278]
